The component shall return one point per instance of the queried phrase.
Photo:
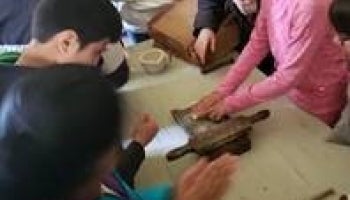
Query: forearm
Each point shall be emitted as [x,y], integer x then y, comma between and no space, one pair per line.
[253,53]
[130,162]
[272,87]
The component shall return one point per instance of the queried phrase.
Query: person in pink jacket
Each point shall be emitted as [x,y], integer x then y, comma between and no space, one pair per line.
[310,66]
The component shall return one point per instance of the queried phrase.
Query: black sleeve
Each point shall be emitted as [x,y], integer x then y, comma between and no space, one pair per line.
[210,15]
[130,162]
[120,76]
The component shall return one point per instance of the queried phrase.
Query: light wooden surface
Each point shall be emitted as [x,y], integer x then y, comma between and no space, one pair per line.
[289,160]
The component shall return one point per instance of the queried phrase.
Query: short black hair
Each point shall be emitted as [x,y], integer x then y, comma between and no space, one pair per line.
[340,16]
[92,20]
[54,125]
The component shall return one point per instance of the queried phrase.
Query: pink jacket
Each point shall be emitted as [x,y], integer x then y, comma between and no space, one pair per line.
[311,68]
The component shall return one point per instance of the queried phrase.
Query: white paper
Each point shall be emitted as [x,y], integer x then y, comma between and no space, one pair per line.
[167,139]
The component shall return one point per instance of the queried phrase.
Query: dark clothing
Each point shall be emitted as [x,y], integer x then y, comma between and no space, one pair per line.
[15,21]
[120,76]
[212,12]
[131,158]
[8,75]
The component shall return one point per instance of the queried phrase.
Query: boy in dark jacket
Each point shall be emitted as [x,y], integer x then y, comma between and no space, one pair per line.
[79,32]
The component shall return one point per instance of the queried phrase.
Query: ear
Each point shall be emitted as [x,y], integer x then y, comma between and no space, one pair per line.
[67,42]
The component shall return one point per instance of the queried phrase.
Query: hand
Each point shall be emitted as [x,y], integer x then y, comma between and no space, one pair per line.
[206,39]
[249,6]
[202,108]
[217,112]
[145,129]
[206,180]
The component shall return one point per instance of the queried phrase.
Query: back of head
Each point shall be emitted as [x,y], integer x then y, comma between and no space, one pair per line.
[92,20]
[340,16]
[54,125]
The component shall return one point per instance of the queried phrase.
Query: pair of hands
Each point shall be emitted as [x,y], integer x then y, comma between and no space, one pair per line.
[204,180]
[211,106]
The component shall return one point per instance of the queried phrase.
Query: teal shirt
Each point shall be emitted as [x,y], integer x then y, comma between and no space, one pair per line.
[160,192]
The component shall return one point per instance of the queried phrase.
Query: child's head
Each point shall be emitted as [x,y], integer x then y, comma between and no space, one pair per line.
[58,135]
[76,31]
[340,17]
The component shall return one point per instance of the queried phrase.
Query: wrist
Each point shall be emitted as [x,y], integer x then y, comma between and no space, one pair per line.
[222,91]
[140,142]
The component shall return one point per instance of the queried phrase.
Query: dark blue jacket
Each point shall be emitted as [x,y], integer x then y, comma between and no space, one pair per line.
[15,21]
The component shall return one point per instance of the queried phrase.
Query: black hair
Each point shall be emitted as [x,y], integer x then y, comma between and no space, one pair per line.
[340,16]
[92,20]
[54,125]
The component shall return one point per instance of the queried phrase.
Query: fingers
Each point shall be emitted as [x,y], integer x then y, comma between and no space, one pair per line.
[226,163]
[205,112]
[213,44]
[201,50]
[192,173]
[201,114]
[215,178]
[207,180]
[216,114]
[193,49]
[205,103]
[145,129]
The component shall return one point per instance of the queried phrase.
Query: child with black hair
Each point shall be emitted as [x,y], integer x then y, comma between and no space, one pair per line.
[340,17]
[56,145]
[76,32]
[80,31]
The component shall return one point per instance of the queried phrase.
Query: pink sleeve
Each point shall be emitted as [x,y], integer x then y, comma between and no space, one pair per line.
[305,37]
[255,50]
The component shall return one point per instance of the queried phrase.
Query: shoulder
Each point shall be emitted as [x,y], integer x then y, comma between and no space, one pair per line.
[313,9]
[311,14]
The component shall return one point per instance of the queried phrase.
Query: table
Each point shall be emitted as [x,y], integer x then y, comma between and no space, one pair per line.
[290,159]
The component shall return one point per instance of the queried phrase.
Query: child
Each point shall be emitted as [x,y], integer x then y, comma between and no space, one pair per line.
[310,67]
[80,31]
[211,14]
[56,145]
[76,32]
